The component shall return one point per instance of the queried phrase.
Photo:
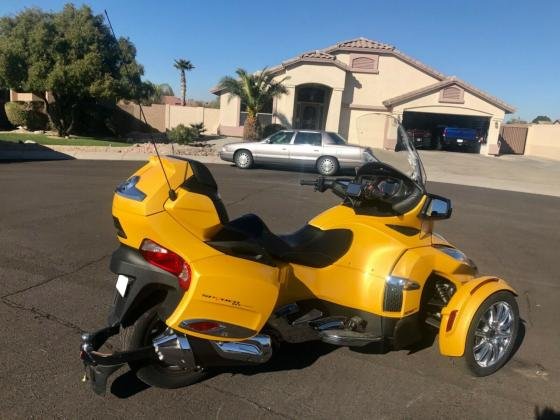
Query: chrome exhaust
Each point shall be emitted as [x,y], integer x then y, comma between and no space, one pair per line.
[174,350]
[257,349]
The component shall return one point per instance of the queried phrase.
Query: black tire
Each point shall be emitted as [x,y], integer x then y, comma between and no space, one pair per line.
[243,159]
[155,374]
[327,165]
[472,365]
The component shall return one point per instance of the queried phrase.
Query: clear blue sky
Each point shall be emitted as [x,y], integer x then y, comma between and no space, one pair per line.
[510,49]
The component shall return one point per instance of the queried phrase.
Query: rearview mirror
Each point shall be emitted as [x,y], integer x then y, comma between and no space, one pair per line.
[436,208]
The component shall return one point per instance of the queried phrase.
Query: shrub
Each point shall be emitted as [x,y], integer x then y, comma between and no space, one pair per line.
[197,130]
[16,113]
[181,134]
[37,120]
[26,115]
[271,129]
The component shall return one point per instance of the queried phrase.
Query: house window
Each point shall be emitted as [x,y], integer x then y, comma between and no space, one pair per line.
[364,63]
[452,94]
[265,116]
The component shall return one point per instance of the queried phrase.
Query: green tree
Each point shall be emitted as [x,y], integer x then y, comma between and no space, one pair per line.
[255,90]
[540,118]
[72,55]
[153,93]
[166,89]
[516,120]
[183,66]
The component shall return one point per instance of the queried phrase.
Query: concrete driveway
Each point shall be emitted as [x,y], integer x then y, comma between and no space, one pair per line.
[56,236]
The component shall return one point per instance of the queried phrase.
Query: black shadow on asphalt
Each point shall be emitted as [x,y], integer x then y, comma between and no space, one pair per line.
[127,385]
[300,356]
[546,413]
[300,169]
[12,152]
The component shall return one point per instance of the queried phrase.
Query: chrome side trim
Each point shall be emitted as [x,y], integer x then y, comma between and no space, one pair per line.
[257,349]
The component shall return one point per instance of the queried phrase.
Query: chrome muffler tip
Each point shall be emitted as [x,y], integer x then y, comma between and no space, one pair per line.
[257,349]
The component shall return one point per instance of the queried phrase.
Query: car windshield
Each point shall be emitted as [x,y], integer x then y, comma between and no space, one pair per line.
[387,139]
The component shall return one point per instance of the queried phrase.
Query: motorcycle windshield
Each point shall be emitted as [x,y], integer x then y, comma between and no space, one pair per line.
[391,144]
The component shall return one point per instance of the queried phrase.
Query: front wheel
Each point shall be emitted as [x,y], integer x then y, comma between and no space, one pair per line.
[327,166]
[243,159]
[156,374]
[492,334]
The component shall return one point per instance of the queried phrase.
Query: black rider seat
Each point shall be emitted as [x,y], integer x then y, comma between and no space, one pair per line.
[248,237]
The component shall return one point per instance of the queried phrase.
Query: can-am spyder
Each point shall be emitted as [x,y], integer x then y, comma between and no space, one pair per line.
[196,290]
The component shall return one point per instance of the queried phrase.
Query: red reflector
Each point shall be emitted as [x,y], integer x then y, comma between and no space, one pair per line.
[451,320]
[167,260]
[205,326]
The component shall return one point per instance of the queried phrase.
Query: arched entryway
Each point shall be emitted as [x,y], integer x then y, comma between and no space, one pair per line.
[311,106]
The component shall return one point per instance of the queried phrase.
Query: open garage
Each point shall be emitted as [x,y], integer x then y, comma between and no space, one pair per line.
[431,125]
[455,104]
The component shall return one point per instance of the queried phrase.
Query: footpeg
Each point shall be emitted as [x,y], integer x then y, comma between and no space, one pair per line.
[312,315]
[348,338]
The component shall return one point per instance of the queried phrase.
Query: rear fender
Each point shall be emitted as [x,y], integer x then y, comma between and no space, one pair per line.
[458,314]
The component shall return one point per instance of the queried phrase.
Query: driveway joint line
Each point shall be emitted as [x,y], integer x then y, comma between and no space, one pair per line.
[58,276]
[260,406]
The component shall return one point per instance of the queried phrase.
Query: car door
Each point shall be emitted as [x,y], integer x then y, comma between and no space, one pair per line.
[275,148]
[307,147]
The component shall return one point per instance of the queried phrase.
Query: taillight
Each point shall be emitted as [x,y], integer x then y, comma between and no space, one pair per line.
[205,326]
[167,260]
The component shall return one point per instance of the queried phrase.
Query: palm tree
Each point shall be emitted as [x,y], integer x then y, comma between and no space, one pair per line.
[255,90]
[183,65]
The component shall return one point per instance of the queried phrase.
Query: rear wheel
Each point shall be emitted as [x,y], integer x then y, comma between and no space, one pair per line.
[492,334]
[157,374]
[327,166]
[243,159]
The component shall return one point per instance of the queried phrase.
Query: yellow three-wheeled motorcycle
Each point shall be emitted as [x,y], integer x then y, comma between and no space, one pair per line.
[197,290]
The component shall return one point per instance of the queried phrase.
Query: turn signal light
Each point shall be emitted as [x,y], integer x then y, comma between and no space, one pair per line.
[167,260]
[451,320]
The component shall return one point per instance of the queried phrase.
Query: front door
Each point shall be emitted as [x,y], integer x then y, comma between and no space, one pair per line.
[307,147]
[310,116]
[274,149]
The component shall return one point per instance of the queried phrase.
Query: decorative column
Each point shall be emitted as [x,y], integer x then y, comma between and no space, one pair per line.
[492,146]
[333,114]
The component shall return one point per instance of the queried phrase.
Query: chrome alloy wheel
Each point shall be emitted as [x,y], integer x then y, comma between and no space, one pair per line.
[327,166]
[243,159]
[493,334]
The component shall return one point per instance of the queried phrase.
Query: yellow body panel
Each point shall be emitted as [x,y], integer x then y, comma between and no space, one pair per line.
[219,293]
[466,302]
[357,279]
[418,264]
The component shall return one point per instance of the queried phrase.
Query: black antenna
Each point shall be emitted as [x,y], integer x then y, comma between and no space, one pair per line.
[172,194]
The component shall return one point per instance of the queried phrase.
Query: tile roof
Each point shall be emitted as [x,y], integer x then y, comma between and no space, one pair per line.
[363,43]
[318,54]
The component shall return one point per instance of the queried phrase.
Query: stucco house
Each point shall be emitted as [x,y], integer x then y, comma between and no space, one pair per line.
[339,87]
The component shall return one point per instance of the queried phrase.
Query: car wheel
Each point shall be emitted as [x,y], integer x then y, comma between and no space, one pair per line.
[492,334]
[243,159]
[327,166]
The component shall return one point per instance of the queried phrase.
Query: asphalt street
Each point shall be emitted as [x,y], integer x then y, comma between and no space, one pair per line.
[56,238]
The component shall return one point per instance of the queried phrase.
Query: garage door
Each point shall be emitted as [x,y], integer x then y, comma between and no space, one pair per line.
[428,123]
